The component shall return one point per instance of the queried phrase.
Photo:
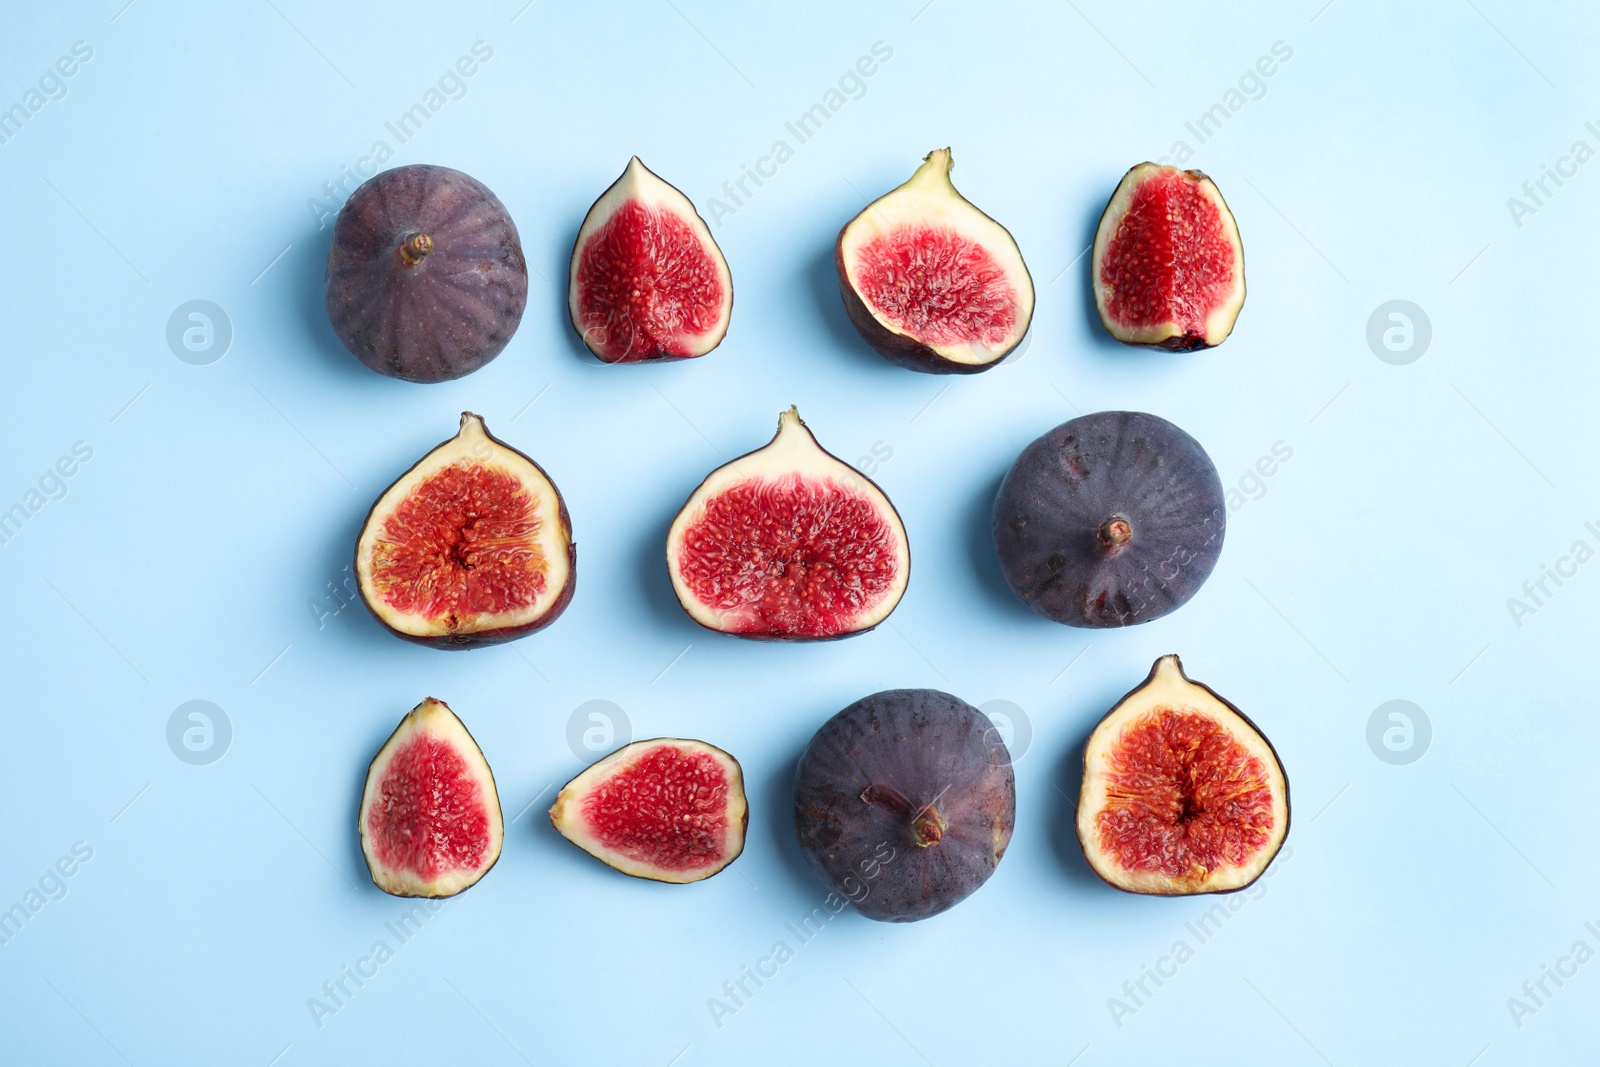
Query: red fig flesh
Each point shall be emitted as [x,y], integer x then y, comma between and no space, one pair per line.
[788,542]
[669,809]
[647,281]
[1168,265]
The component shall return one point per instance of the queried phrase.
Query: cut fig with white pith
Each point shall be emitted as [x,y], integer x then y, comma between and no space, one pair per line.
[472,546]
[931,282]
[1181,793]
[1168,266]
[647,281]
[668,809]
[788,543]
[430,819]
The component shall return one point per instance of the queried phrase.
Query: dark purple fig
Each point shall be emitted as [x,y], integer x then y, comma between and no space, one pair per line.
[904,803]
[1111,519]
[426,279]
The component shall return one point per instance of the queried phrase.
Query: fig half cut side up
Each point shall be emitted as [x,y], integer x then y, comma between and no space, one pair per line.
[788,543]
[430,820]
[647,282]
[1182,794]
[1168,265]
[929,281]
[471,546]
[667,809]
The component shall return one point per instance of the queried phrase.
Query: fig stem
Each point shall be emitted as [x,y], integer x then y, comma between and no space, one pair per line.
[414,248]
[1114,533]
[926,824]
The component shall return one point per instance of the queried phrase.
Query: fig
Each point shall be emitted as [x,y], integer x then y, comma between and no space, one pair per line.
[788,543]
[471,546]
[1168,265]
[1181,793]
[426,280]
[647,281]
[669,809]
[904,803]
[430,818]
[931,282]
[1110,519]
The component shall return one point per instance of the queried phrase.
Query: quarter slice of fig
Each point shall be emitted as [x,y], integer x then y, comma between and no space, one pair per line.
[1168,265]
[647,281]
[1181,793]
[788,543]
[904,803]
[1110,519]
[430,818]
[472,546]
[668,809]
[931,282]
[426,279]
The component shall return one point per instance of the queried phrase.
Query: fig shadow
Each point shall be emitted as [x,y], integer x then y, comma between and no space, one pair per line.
[821,281]
[1067,776]
[650,572]
[777,794]
[981,553]
[307,265]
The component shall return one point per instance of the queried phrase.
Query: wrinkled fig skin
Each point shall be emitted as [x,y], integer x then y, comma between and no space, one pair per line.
[946,761]
[897,348]
[1054,520]
[438,316]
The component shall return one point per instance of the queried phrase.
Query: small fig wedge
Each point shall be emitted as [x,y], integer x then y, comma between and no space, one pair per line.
[904,803]
[1181,793]
[426,280]
[430,819]
[1111,519]
[647,281]
[1168,265]
[668,809]
[931,282]
[788,543]
[472,546]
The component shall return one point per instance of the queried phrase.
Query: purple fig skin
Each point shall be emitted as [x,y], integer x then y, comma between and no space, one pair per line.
[1111,519]
[425,310]
[898,348]
[904,803]
[462,641]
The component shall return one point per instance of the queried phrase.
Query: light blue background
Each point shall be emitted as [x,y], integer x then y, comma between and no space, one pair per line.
[184,558]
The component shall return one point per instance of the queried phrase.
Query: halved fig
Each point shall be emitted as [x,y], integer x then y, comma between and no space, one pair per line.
[669,809]
[1168,265]
[426,280]
[1111,519]
[931,282]
[430,818]
[1181,793]
[904,803]
[788,543]
[647,281]
[472,546]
